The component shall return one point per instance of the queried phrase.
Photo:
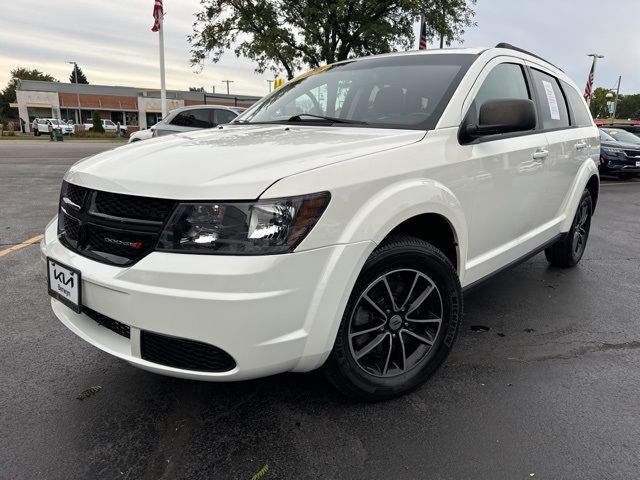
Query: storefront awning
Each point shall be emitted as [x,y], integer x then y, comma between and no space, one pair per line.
[39,105]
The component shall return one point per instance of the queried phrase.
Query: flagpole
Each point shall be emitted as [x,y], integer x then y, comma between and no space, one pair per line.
[163,89]
[592,74]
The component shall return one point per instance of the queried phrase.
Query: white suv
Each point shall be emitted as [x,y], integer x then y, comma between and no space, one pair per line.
[334,224]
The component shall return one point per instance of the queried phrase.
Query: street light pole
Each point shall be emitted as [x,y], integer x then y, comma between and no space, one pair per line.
[615,102]
[75,75]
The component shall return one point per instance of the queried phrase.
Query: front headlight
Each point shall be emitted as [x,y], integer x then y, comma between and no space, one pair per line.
[612,149]
[242,228]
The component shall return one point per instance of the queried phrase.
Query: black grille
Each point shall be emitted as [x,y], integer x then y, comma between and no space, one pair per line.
[184,354]
[632,153]
[109,227]
[128,206]
[110,323]
[74,193]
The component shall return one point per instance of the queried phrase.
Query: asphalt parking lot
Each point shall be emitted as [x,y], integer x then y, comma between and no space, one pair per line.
[544,381]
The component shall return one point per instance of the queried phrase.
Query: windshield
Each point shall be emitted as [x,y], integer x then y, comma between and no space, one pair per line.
[605,137]
[622,135]
[404,91]
[54,121]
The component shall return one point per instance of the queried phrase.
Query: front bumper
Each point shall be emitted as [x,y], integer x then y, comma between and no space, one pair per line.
[272,313]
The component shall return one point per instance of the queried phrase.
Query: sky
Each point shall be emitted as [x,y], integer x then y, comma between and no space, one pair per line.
[111,40]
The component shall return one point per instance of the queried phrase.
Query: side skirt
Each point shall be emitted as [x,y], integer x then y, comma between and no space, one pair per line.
[512,264]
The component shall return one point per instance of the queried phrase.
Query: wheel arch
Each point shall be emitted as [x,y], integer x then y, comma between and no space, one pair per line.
[593,185]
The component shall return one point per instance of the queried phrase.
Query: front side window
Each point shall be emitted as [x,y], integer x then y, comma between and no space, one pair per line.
[406,91]
[200,118]
[505,81]
[223,116]
[551,99]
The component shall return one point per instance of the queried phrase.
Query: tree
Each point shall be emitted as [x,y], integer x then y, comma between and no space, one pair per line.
[291,34]
[629,107]
[9,93]
[81,76]
[97,122]
[196,89]
[598,105]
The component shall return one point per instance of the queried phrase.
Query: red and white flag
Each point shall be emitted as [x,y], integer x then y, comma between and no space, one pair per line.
[423,35]
[158,12]
[588,90]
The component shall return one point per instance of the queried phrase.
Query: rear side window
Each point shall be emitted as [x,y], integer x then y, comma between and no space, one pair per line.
[504,81]
[551,100]
[580,116]
[193,118]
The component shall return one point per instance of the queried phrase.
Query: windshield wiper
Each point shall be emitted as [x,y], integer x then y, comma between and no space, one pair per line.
[299,118]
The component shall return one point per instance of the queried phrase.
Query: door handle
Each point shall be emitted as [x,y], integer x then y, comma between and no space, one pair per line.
[540,154]
[581,145]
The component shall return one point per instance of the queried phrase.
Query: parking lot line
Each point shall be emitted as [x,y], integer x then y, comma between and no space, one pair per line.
[20,245]
[615,184]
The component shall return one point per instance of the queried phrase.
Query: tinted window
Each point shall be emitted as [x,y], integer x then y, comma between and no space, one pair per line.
[193,118]
[504,81]
[580,115]
[407,91]
[223,116]
[552,101]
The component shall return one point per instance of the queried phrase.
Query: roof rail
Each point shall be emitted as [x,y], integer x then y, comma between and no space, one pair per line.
[521,50]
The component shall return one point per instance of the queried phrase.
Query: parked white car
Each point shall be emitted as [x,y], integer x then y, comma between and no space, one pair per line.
[40,126]
[108,125]
[335,224]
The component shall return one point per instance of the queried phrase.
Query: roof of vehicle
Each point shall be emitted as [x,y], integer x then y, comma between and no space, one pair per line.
[509,50]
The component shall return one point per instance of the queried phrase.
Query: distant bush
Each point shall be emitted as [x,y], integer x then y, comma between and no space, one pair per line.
[97,122]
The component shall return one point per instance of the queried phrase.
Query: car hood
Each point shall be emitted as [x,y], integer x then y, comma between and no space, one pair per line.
[234,162]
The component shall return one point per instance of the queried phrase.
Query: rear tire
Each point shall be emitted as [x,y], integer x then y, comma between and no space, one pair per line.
[400,321]
[568,250]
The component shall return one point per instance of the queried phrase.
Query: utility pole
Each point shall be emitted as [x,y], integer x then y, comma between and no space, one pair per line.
[75,74]
[269,82]
[227,82]
[589,89]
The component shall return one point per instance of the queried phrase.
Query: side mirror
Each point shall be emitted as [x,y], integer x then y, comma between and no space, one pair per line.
[504,115]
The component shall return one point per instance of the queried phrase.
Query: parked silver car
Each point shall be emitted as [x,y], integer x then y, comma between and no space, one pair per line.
[194,117]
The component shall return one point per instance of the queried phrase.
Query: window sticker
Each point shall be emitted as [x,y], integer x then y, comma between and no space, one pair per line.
[551,99]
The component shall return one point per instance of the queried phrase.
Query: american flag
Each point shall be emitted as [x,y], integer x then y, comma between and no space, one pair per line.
[588,90]
[158,12]
[423,35]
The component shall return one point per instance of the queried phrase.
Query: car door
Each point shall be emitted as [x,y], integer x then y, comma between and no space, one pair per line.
[504,173]
[571,140]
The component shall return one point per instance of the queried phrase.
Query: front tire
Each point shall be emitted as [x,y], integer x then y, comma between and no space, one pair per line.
[568,250]
[400,322]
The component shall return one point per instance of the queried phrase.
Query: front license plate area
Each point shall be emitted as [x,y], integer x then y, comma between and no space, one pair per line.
[637,163]
[65,284]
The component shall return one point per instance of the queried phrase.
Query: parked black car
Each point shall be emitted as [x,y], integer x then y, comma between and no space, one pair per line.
[619,153]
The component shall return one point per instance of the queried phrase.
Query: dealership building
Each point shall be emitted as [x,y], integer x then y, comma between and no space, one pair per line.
[135,108]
